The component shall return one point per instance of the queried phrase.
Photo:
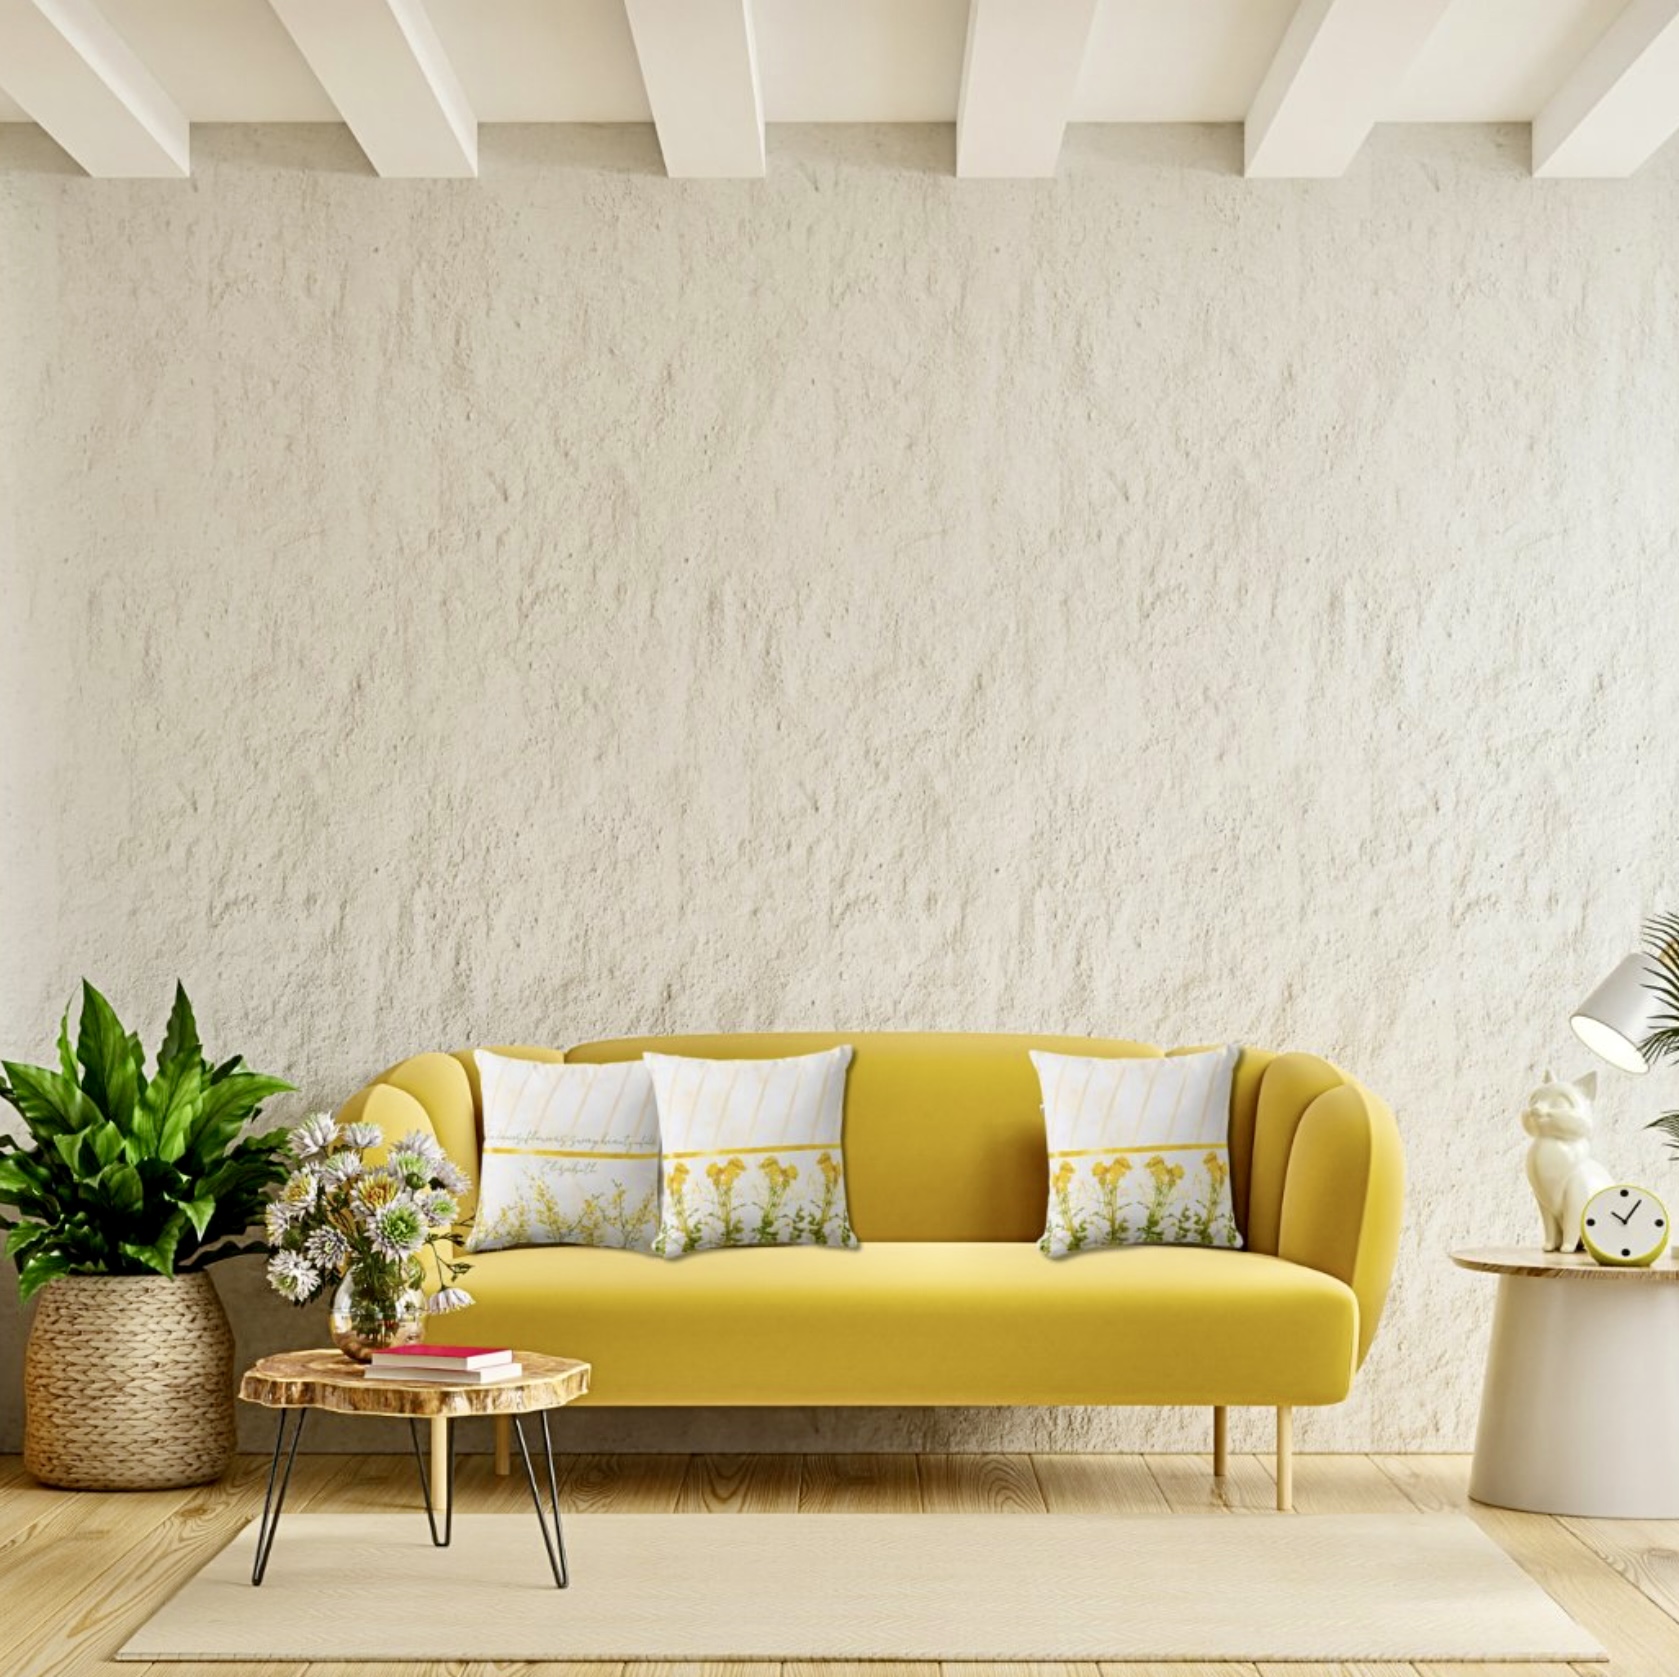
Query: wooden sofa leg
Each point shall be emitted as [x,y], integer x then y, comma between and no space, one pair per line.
[439,1463]
[504,1446]
[1285,1459]
[1221,1440]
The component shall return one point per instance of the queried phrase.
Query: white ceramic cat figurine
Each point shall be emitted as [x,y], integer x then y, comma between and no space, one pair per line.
[1560,1167]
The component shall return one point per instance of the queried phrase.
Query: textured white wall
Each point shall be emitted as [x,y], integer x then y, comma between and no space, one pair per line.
[574,602]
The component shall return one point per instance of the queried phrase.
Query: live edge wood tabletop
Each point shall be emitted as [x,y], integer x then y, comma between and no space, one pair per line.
[330,1380]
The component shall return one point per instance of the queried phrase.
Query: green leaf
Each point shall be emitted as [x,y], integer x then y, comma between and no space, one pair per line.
[170,1107]
[42,1268]
[69,1149]
[137,1057]
[199,1212]
[24,1239]
[118,1186]
[180,1036]
[1661,943]
[17,1177]
[163,1181]
[107,1059]
[228,1104]
[50,1103]
[227,1068]
[106,1140]
[1668,1124]
[160,1253]
[66,1059]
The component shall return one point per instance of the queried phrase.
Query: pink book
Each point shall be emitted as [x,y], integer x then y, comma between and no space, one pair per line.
[441,1356]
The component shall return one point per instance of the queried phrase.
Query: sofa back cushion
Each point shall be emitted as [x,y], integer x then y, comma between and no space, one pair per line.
[944,1134]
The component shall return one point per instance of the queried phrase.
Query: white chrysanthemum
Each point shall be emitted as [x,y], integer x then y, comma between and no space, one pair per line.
[276,1221]
[398,1229]
[313,1136]
[450,1177]
[417,1144]
[374,1188]
[361,1135]
[439,1208]
[327,1249]
[413,1172]
[339,1168]
[292,1276]
[300,1192]
[446,1299]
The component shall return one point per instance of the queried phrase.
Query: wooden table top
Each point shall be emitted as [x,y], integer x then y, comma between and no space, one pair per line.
[1573,1266]
[330,1380]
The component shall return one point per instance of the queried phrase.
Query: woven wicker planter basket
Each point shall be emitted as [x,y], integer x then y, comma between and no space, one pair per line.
[128,1383]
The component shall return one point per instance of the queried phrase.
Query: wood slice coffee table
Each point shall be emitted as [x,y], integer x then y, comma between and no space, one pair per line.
[299,1381]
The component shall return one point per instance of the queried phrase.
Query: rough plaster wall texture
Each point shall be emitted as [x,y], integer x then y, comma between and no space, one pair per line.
[575,602]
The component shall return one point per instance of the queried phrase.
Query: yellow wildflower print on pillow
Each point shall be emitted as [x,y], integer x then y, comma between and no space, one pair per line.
[1121,1199]
[1138,1150]
[751,1151]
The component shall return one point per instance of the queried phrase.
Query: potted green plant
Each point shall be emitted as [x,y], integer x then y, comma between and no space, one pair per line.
[123,1189]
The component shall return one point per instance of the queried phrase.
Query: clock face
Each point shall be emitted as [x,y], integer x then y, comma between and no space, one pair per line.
[1625,1224]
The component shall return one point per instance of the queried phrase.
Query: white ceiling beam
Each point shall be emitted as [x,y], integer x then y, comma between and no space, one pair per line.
[383,66]
[699,64]
[1622,102]
[76,76]
[1020,70]
[1333,77]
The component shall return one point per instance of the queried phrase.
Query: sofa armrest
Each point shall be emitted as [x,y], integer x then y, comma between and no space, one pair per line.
[439,1101]
[392,1111]
[1343,1197]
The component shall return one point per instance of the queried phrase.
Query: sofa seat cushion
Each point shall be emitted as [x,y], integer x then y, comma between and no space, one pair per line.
[924,1322]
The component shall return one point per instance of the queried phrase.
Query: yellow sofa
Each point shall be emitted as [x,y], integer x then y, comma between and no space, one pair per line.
[948,1301]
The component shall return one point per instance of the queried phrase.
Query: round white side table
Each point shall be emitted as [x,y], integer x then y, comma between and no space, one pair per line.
[1580,1407]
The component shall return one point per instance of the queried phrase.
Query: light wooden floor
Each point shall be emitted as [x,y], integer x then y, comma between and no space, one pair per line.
[79,1572]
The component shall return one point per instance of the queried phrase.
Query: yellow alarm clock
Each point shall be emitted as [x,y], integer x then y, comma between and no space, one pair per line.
[1624,1225]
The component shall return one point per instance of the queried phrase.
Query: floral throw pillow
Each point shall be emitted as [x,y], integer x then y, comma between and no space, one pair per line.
[571,1155]
[1139,1151]
[750,1152]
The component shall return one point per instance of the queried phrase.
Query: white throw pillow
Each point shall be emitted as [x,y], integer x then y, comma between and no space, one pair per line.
[571,1155]
[750,1152]
[1139,1151]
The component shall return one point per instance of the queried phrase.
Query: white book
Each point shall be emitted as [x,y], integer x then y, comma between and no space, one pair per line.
[446,1376]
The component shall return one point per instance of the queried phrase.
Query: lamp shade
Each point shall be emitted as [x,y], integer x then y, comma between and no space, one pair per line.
[1620,1014]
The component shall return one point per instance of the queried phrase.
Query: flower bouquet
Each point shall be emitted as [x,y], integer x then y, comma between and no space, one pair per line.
[337,1221]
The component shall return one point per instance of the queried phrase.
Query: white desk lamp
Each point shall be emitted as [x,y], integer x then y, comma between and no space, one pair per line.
[1632,1018]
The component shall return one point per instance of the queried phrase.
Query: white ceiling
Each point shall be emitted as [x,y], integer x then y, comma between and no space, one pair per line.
[856,60]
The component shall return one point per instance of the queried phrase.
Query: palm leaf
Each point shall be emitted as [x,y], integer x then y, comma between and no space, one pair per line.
[1661,944]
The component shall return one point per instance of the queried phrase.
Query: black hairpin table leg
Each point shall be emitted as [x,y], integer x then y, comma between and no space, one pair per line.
[553,1542]
[448,1483]
[276,1498]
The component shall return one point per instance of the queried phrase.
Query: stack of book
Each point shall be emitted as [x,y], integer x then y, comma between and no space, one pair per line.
[444,1365]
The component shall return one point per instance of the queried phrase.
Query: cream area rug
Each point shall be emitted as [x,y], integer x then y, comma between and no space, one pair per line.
[870,1586]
